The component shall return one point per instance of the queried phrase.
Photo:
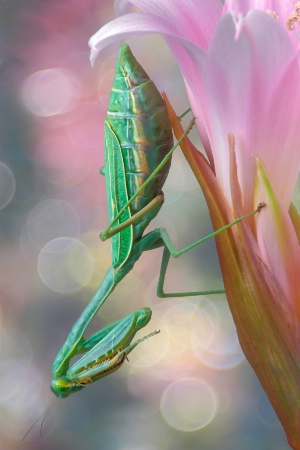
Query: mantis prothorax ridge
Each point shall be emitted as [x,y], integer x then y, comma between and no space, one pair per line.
[138,150]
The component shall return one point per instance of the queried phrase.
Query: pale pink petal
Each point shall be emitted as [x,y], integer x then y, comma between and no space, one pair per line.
[278,242]
[195,20]
[141,23]
[242,93]
[190,21]
[127,26]
[282,10]
[279,141]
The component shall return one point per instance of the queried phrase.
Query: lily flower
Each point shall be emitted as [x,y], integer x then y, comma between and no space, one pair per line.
[240,64]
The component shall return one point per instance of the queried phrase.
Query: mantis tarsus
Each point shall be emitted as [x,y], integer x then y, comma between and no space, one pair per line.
[138,149]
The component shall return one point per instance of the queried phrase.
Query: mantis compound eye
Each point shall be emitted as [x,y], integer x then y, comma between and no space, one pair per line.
[61,387]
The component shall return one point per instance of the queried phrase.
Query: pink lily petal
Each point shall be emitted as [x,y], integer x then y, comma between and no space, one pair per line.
[142,23]
[282,10]
[250,85]
[127,26]
[195,24]
[279,246]
[188,32]
[195,20]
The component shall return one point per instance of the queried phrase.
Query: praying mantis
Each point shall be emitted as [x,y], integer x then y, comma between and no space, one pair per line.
[138,150]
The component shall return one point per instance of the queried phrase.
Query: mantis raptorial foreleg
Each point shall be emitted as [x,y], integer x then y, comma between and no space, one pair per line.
[105,351]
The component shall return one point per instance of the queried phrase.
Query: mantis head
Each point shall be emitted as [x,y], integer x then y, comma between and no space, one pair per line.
[62,387]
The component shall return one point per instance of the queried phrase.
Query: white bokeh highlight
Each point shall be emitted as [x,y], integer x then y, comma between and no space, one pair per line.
[50,92]
[188,404]
[65,265]
[7,185]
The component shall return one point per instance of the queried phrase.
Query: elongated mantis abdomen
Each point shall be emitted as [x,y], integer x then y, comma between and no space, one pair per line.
[138,117]
[138,135]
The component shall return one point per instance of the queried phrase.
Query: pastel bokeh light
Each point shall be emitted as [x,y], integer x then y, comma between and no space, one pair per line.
[65,265]
[7,185]
[188,404]
[215,342]
[50,92]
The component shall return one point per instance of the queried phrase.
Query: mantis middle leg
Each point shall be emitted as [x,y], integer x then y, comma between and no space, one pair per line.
[160,237]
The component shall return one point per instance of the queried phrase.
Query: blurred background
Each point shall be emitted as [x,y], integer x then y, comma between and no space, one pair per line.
[188,387]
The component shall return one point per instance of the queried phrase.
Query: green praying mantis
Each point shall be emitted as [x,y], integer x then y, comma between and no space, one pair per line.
[138,150]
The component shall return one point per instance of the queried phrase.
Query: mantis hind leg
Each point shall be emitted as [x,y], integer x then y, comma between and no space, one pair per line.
[162,275]
[160,238]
